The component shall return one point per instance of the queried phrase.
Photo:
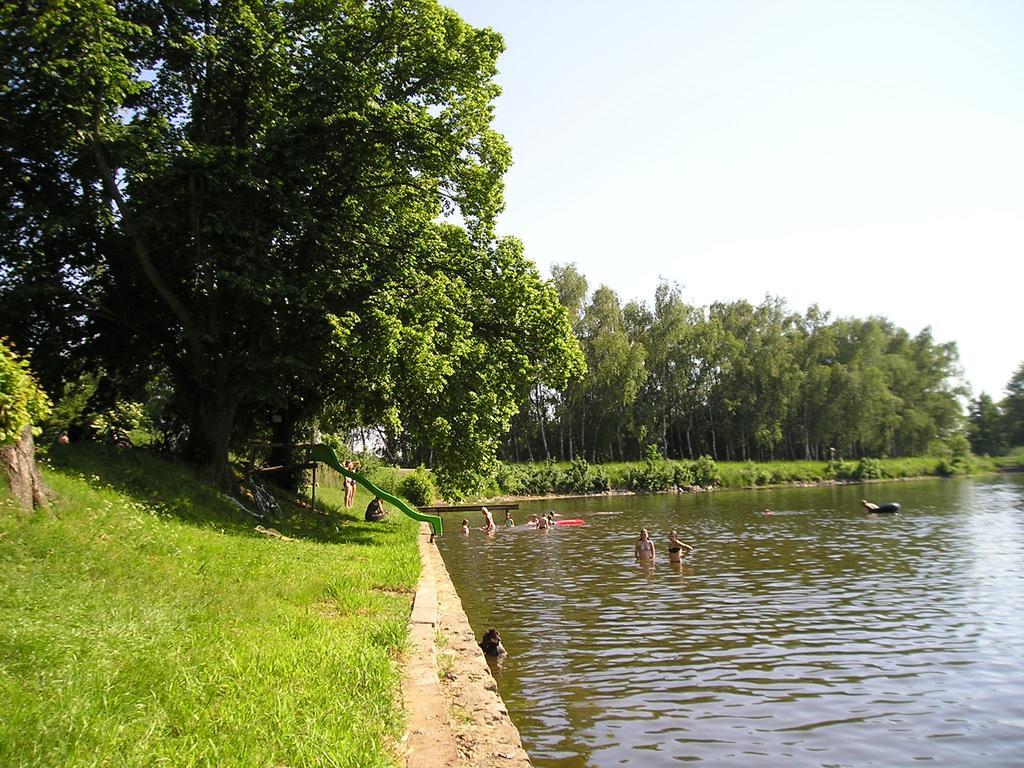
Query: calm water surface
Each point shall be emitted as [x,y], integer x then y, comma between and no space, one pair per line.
[817,636]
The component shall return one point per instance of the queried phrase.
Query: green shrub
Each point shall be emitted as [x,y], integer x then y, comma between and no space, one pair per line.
[22,402]
[868,469]
[682,474]
[543,478]
[653,476]
[418,487]
[578,477]
[510,479]
[705,472]
[121,418]
[70,412]
[385,478]
[599,480]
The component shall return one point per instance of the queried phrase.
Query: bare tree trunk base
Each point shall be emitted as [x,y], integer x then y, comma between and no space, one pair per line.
[18,462]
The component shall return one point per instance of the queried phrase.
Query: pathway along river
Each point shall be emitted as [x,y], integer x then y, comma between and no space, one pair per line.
[816,636]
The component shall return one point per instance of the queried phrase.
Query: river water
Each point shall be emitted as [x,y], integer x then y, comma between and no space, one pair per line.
[814,636]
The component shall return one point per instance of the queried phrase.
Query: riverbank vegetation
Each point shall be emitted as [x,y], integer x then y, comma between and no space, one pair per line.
[657,474]
[144,621]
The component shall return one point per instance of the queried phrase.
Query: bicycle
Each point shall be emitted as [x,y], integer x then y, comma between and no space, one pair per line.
[266,505]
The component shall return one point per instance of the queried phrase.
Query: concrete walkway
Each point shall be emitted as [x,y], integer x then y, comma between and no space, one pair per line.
[482,735]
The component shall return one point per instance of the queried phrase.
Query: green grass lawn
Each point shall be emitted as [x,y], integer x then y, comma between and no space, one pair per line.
[143,622]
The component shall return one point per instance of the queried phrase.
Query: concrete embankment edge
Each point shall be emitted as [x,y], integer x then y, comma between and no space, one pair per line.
[455,718]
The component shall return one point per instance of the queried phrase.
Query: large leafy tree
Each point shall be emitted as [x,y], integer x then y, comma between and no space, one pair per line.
[251,195]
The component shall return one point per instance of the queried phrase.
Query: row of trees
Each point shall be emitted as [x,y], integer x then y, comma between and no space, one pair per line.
[736,381]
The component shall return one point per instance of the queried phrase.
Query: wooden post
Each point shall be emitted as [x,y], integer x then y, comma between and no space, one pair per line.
[313,501]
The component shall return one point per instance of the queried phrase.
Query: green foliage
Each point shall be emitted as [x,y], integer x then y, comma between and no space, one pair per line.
[578,477]
[868,469]
[388,479]
[705,472]
[682,474]
[71,411]
[600,481]
[543,478]
[22,403]
[653,476]
[756,474]
[1012,409]
[987,426]
[122,418]
[300,201]
[511,479]
[418,487]
[955,456]
[743,382]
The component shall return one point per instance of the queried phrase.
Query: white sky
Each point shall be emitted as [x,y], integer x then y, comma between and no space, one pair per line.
[864,156]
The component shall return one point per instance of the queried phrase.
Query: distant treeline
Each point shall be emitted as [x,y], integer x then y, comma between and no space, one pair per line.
[735,381]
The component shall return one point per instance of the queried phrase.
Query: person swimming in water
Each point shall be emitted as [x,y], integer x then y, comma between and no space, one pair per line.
[644,549]
[676,547]
[465,527]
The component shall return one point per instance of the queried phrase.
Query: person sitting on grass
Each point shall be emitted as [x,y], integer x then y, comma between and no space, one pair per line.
[375,511]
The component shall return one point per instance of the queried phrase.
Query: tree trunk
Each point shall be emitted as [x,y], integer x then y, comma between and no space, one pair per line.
[213,418]
[540,422]
[18,461]
[282,437]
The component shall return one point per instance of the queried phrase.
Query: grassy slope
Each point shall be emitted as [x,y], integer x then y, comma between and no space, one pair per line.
[144,622]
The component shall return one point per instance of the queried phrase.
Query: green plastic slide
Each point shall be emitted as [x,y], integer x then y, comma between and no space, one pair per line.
[326,455]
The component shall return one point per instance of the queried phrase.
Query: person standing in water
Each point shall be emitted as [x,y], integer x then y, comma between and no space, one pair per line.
[488,520]
[509,522]
[465,527]
[676,548]
[644,549]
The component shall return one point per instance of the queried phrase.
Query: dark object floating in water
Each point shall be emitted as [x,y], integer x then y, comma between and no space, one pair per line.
[883,509]
[491,644]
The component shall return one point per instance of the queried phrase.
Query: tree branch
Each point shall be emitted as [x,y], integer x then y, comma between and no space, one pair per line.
[142,252]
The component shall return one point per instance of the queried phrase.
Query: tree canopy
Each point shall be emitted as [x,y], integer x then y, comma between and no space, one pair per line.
[737,381]
[277,206]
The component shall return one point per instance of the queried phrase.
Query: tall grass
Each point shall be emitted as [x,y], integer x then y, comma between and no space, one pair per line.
[143,622]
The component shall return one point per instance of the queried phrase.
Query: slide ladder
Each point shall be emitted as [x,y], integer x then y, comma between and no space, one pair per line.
[326,455]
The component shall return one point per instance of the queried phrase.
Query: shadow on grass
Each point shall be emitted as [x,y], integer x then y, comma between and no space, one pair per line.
[175,488]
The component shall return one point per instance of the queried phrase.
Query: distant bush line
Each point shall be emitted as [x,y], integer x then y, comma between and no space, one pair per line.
[655,474]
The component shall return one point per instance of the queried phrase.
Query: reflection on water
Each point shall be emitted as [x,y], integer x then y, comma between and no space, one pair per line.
[815,636]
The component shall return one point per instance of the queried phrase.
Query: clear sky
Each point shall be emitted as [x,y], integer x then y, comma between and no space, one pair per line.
[864,156]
